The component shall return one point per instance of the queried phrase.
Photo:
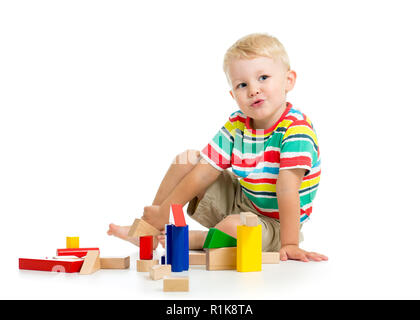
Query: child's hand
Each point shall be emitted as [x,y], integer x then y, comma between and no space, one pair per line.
[293,252]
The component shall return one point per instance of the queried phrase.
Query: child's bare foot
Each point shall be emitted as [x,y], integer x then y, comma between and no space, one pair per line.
[122,233]
[161,240]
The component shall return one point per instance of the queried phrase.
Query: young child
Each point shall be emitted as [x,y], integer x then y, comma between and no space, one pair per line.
[270,147]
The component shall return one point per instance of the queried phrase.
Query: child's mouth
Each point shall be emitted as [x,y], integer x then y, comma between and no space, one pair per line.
[257,103]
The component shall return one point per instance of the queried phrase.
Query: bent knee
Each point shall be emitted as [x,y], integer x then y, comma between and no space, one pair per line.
[229,225]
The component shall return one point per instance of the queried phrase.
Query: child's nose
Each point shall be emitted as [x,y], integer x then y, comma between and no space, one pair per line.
[254,90]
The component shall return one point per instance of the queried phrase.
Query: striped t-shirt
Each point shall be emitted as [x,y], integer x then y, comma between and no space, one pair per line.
[256,156]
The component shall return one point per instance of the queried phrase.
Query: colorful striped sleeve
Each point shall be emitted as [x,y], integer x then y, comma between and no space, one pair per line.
[218,152]
[299,147]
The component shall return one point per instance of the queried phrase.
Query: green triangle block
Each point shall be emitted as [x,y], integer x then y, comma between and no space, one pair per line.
[208,238]
[218,239]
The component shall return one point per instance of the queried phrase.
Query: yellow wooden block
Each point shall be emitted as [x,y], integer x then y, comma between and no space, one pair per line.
[249,248]
[72,242]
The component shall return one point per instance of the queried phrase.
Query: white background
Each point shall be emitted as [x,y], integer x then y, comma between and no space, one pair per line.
[97,97]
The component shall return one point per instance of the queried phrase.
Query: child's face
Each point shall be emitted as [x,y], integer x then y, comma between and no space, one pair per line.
[259,87]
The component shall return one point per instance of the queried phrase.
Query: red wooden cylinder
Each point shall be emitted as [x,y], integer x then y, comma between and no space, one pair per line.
[146,248]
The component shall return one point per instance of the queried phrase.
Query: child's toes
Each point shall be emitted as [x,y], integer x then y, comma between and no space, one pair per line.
[111,229]
[161,240]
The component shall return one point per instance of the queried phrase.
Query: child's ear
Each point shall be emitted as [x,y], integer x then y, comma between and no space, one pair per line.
[291,80]
[231,93]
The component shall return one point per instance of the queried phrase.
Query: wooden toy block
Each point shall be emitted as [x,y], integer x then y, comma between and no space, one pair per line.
[55,264]
[186,249]
[180,250]
[141,228]
[270,257]
[221,259]
[72,242]
[168,243]
[178,214]
[176,284]
[115,263]
[177,242]
[159,271]
[243,217]
[249,219]
[197,258]
[78,252]
[92,262]
[146,247]
[218,239]
[146,265]
[249,254]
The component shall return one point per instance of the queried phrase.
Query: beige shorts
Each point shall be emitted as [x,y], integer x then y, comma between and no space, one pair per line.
[225,197]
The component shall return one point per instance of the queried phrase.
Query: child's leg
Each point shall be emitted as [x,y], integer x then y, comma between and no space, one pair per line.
[229,224]
[196,239]
[180,167]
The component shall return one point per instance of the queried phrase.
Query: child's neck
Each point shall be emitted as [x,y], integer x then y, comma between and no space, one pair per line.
[265,124]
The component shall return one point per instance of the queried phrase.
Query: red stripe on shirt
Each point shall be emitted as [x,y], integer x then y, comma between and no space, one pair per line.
[308,211]
[216,157]
[312,176]
[262,180]
[300,123]
[267,214]
[268,156]
[237,118]
[275,215]
[295,161]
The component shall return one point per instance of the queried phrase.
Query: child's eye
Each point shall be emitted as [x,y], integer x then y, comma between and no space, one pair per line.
[264,77]
[241,85]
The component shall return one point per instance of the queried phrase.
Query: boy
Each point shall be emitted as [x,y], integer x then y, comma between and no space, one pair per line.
[270,146]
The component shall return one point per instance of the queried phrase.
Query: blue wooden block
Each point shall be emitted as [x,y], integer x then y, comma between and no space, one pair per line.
[179,250]
[186,249]
[168,243]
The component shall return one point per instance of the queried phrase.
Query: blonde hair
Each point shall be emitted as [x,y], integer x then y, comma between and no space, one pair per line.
[256,45]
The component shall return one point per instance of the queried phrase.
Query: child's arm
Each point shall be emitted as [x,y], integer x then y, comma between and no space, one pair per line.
[287,189]
[193,184]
